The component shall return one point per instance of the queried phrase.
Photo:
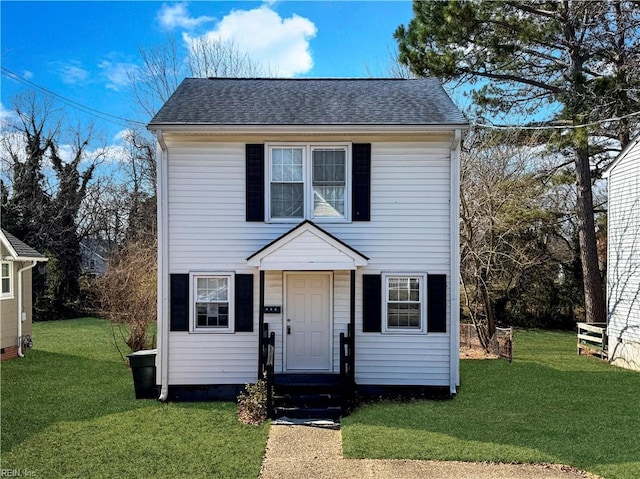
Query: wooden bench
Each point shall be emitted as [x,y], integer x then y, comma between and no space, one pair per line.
[592,338]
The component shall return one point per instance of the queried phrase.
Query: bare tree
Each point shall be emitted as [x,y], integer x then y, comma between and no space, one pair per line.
[508,228]
[48,187]
[128,292]
[162,70]
[210,57]
[164,66]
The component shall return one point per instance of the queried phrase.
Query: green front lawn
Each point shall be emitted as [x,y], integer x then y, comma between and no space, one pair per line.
[549,405]
[68,410]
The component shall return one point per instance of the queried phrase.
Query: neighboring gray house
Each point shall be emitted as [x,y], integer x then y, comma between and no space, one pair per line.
[623,263]
[94,255]
[16,261]
[308,208]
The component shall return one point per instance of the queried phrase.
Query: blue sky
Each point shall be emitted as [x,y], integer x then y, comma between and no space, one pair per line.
[86,51]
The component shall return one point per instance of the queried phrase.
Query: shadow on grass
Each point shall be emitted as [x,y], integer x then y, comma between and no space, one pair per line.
[521,412]
[46,388]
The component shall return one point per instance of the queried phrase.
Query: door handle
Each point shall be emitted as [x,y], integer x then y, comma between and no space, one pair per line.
[288,329]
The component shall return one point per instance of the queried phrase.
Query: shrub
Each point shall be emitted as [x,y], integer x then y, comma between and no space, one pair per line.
[128,291]
[252,403]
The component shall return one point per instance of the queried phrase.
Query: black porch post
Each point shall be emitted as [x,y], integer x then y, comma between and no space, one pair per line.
[261,331]
[352,324]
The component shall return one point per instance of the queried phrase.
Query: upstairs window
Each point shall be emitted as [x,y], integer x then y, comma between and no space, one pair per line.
[287,183]
[308,182]
[329,182]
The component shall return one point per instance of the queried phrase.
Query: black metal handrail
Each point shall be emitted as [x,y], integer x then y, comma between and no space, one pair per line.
[347,373]
[269,367]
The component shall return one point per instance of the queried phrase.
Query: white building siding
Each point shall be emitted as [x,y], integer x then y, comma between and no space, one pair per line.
[409,231]
[623,266]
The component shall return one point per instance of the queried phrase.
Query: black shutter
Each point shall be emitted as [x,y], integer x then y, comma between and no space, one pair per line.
[244,302]
[372,303]
[437,307]
[255,182]
[179,307]
[361,182]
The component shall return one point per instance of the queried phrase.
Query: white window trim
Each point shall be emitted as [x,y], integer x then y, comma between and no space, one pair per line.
[9,294]
[193,278]
[423,304]
[307,174]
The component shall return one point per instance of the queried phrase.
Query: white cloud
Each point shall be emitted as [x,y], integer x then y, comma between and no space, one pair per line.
[118,74]
[276,43]
[175,16]
[72,72]
[27,74]
[6,114]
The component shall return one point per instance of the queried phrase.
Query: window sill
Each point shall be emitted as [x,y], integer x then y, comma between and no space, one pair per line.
[212,331]
[295,221]
[403,332]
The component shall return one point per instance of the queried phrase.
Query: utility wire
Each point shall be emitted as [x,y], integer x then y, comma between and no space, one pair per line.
[73,104]
[555,127]
[127,121]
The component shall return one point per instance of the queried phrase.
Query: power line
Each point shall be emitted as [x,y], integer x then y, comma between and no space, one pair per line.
[121,121]
[555,127]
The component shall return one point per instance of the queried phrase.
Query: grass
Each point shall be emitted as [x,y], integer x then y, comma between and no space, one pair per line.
[68,410]
[549,405]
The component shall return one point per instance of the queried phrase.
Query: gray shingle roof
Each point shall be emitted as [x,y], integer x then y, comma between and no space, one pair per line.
[22,249]
[233,101]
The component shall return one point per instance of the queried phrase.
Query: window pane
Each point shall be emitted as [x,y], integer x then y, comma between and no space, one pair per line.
[329,182]
[212,315]
[287,200]
[202,314]
[276,164]
[5,270]
[328,201]
[6,285]
[403,315]
[212,289]
[414,289]
[286,164]
[403,302]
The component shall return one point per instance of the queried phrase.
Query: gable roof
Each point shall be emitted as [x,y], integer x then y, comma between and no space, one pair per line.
[237,101]
[18,250]
[307,247]
[632,145]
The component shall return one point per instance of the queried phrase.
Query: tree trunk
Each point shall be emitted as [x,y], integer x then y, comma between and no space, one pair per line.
[592,280]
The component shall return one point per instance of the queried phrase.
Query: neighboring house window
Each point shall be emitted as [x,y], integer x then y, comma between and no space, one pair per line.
[7,280]
[212,302]
[308,182]
[404,303]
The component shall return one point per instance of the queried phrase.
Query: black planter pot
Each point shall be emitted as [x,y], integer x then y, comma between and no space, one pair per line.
[143,368]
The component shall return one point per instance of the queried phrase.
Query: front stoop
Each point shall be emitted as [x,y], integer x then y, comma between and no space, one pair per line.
[305,396]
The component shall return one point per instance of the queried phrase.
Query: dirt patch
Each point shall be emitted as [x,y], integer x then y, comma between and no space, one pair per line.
[475,353]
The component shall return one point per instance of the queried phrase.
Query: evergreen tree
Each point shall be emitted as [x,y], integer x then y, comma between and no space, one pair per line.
[572,63]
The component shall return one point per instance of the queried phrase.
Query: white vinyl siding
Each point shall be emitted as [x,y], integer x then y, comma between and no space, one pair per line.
[409,231]
[623,267]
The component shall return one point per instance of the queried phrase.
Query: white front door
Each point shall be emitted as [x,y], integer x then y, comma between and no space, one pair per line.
[307,328]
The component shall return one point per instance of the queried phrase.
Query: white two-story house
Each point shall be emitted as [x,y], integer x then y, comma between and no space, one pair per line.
[311,209]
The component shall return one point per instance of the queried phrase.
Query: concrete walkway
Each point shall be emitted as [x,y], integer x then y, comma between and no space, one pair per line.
[299,452]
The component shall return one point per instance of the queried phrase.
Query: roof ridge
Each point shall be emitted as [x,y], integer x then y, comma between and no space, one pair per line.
[311,79]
